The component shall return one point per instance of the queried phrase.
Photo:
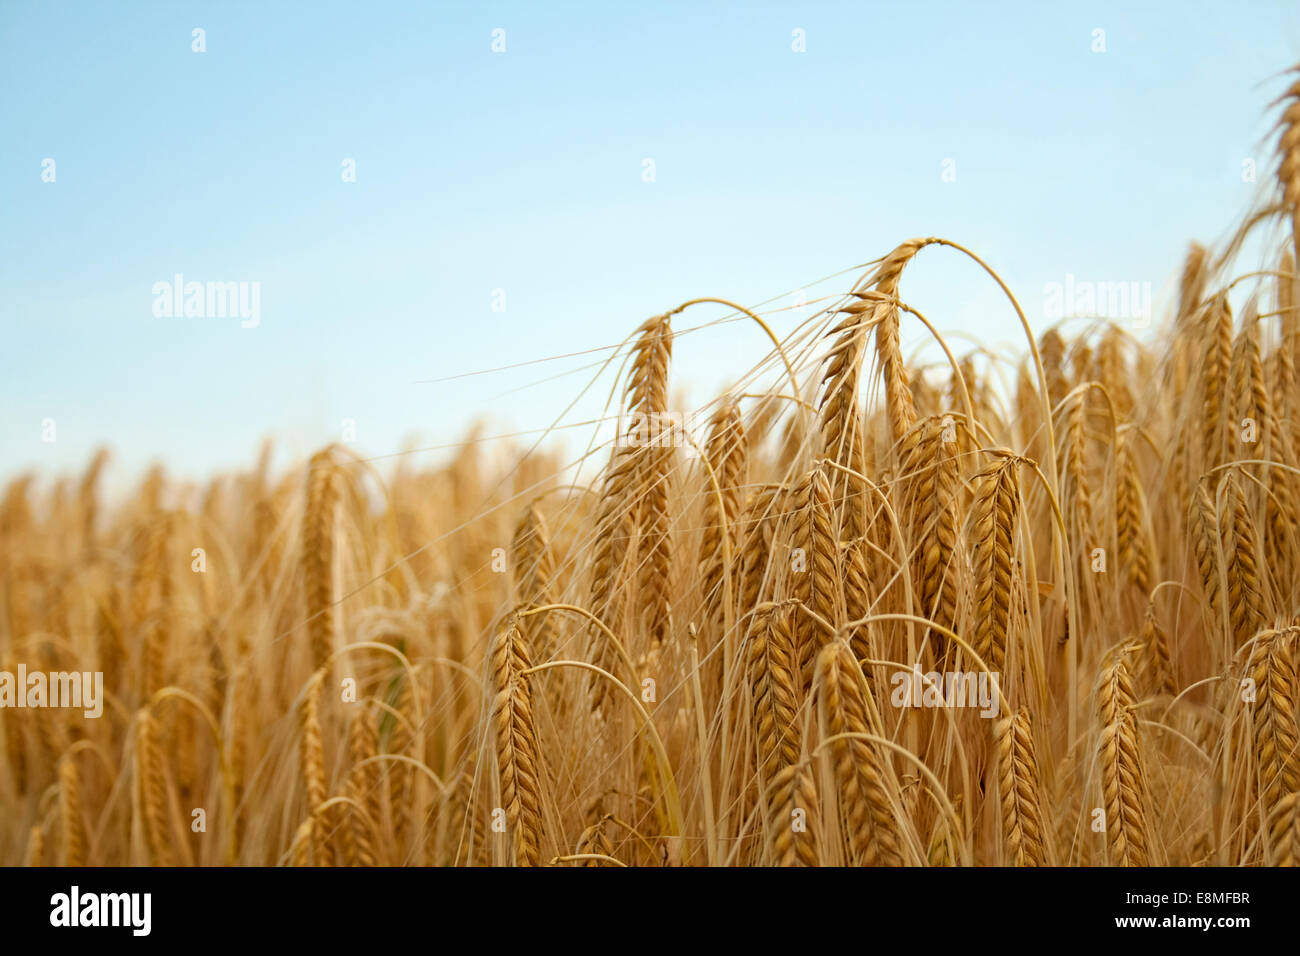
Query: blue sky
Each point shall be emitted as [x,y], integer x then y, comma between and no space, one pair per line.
[522,171]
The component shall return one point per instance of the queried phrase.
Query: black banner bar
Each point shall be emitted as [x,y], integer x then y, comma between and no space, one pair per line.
[215,906]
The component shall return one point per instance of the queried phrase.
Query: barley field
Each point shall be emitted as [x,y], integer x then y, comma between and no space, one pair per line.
[1032,610]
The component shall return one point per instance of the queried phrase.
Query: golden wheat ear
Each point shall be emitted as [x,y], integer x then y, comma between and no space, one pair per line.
[311,753]
[151,785]
[1122,771]
[858,768]
[993,528]
[1018,782]
[318,553]
[516,744]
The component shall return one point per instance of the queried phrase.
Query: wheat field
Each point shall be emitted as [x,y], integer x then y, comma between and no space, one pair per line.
[733,647]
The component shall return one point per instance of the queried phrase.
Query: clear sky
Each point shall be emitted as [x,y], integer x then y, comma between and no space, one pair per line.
[523,170]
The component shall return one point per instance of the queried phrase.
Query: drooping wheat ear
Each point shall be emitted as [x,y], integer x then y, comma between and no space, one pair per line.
[647,393]
[880,304]
[1205,545]
[856,568]
[36,846]
[725,451]
[1247,595]
[152,789]
[516,744]
[1160,677]
[615,531]
[1277,735]
[794,817]
[318,553]
[858,768]
[814,567]
[533,563]
[70,822]
[993,528]
[1284,836]
[633,507]
[363,782]
[1288,172]
[1136,550]
[1250,397]
[1051,348]
[647,388]
[898,397]
[889,352]
[1215,362]
[773,682]
[1122,776]
[841,419]
[311,752]
[931,469]
[1022,818]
